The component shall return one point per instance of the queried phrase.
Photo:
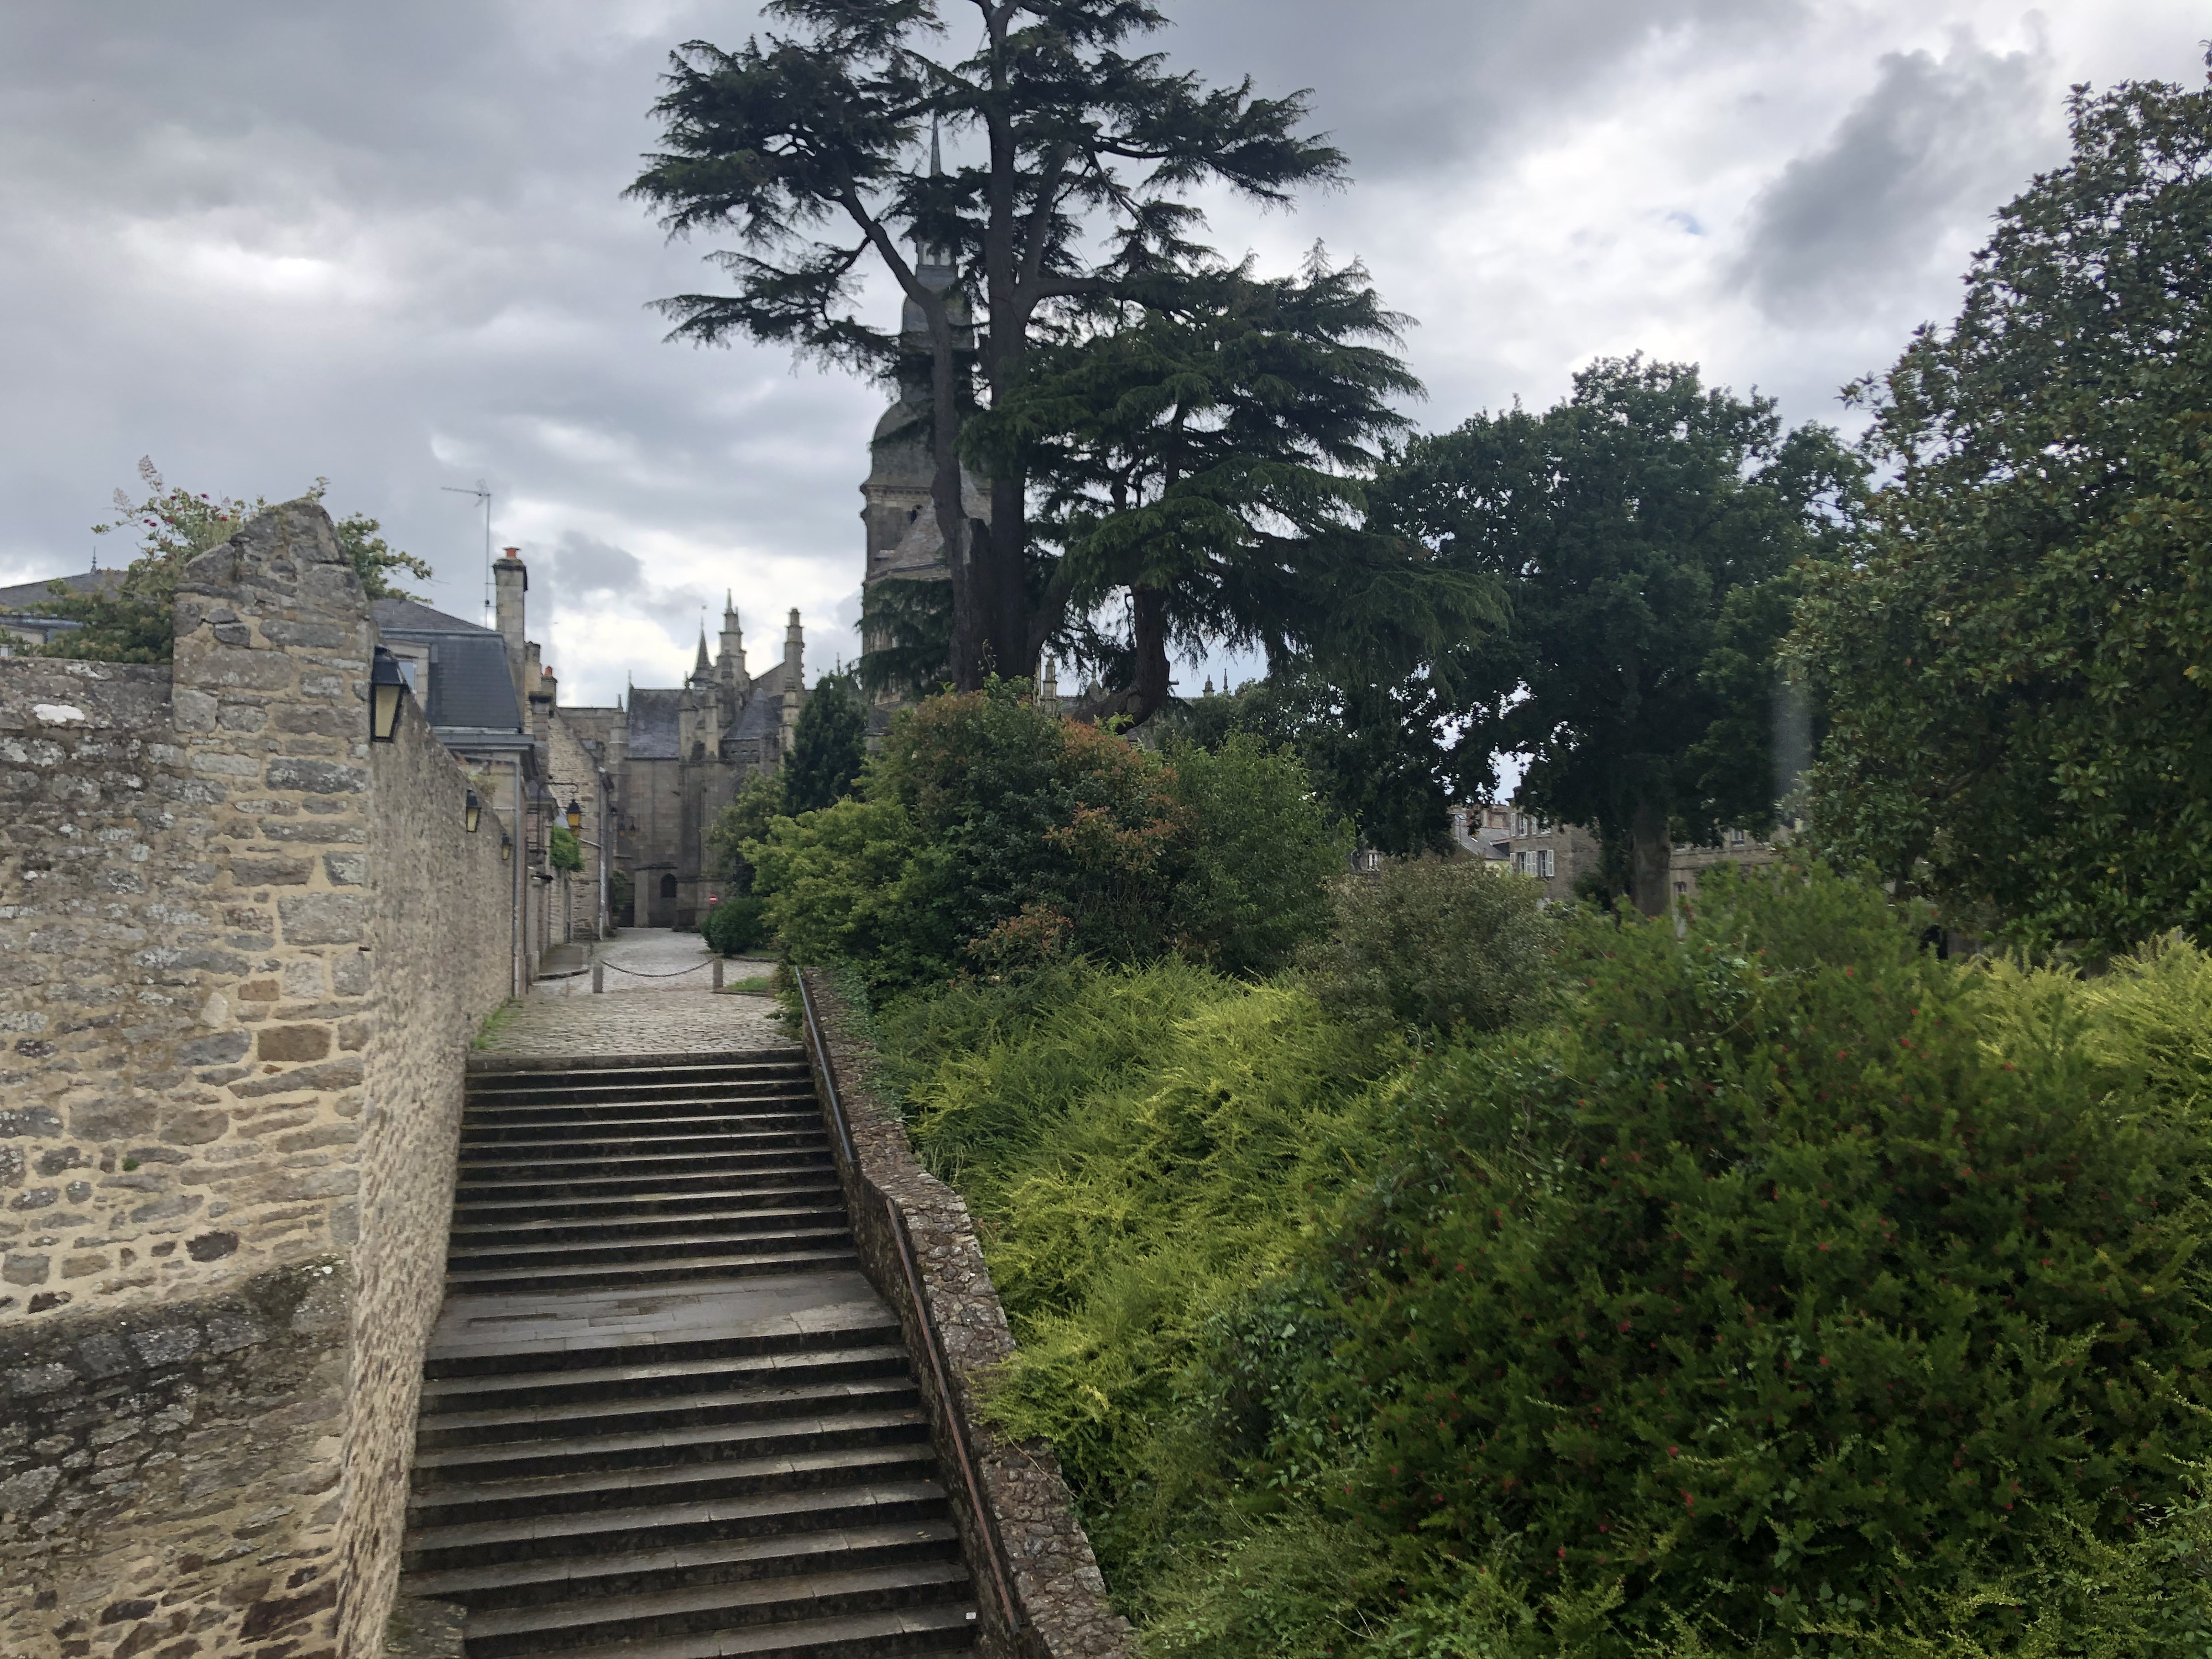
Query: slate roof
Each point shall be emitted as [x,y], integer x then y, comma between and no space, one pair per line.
[470,688]
[24,598]
[653,723]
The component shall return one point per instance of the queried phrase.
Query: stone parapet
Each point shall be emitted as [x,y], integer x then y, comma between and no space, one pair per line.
[1028,1527]
[242,952]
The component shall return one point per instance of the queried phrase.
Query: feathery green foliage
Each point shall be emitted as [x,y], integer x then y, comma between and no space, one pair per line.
[1781,1290]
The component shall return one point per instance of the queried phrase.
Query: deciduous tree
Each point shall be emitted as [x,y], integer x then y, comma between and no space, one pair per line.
[1629,525]
[2018,675]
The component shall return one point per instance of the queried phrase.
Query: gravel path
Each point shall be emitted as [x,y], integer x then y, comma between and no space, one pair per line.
[658,1009]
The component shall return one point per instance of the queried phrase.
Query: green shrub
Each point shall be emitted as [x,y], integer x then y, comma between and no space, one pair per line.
[1434,946]
[1798,1284]
[563,851]
[992,836]
[734,924]
[1137,1147]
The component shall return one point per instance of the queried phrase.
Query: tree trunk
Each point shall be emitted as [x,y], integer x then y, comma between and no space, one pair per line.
[1007,581]
[970,645]
[1650,850]
[1142,700]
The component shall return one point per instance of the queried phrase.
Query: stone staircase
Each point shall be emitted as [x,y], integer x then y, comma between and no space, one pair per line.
[663,1415]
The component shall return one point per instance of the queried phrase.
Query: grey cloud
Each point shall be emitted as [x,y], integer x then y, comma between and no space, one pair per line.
[1866,210]
[1423,87]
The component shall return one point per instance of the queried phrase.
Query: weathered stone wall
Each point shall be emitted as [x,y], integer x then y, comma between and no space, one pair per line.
[242,950]
[1058,1595]
[438,938]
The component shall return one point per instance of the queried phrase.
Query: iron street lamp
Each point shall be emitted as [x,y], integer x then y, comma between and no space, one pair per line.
[386,687]
[506,846]
[472,814]
[576,816]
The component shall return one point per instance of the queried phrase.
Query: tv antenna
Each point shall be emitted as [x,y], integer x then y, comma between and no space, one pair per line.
[483,495]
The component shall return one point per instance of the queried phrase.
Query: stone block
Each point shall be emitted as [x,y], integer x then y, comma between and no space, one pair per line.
[269,872]
[317,635]
[118,1117]
[346,869]
[167,1346]
[340,1073]
[233,668]
[192,1126]
[349,974]
[324,918]
[221,1049]
[194,710]
[292,1042]
[316,777]
[24,1268]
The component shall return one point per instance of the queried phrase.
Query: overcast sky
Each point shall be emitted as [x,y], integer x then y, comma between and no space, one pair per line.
[263,241]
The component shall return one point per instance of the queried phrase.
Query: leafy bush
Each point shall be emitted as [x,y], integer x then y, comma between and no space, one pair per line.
[1434,946]
[993,835]
[735,923]
[1799,1285]
[563,851]
[1233,1252]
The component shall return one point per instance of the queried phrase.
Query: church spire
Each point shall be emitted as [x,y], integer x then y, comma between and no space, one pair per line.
[704,664]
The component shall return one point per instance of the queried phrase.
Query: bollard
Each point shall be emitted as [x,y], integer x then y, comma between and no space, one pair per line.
[718,973]
[598,977]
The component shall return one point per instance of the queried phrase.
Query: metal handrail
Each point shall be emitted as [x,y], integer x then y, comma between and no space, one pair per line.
[1001,1570]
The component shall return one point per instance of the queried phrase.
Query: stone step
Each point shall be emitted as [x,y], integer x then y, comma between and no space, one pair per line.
[487,1162]
[760,1604]
[643,1570]
[629,1107]
[758,1402]
[878,1326]
[906,1633]
[847,1425]
[525,1089]
[769,1209]
[626,1181]
[603,1125]
[672,1271]
[594,1533]
[765,1184]
[816,1229]
[674,1483]
[656,1379]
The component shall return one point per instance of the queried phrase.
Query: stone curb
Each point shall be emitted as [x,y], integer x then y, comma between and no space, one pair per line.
[1058,1590]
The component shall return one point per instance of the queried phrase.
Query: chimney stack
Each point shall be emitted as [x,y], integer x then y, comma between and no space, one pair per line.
[512,580]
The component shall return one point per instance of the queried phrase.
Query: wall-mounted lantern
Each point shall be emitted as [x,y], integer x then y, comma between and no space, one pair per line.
[386,687]
[576,816]
[472,813]
[506,846]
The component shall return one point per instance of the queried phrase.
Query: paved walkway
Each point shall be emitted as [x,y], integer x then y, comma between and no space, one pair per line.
[661,1006]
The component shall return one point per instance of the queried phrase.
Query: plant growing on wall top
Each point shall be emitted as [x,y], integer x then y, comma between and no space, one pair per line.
[132,622]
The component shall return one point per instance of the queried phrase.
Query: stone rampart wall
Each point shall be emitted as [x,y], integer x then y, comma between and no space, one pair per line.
[241,953]
[1059,1597]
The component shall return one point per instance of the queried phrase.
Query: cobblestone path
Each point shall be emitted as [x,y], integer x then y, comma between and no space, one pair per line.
[658,1009]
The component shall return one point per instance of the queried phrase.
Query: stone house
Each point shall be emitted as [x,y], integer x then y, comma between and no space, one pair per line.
[1510,838]
[23,618]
